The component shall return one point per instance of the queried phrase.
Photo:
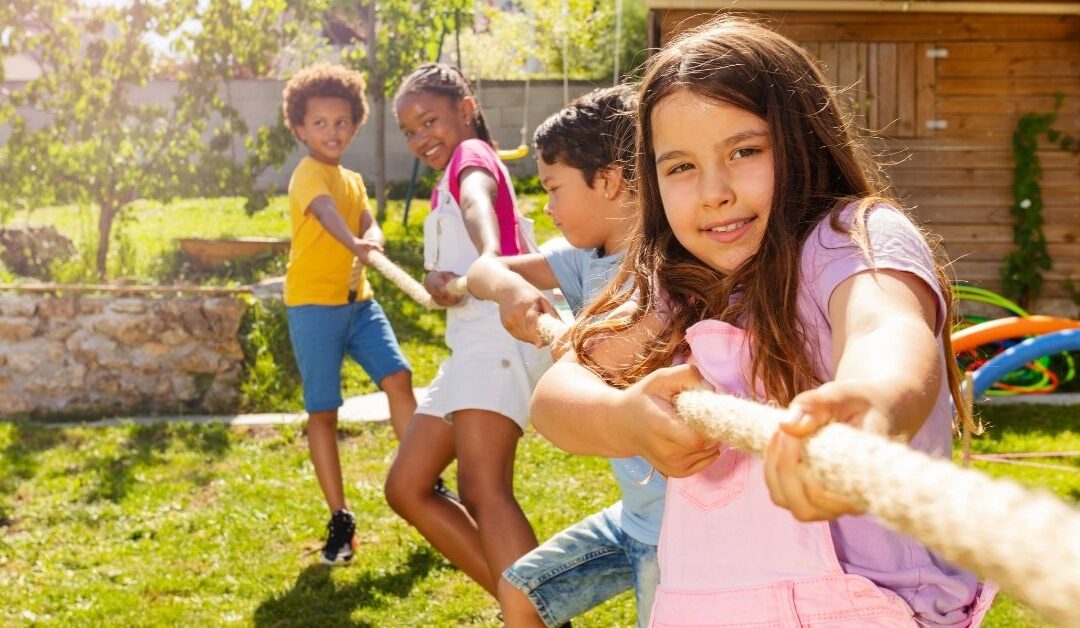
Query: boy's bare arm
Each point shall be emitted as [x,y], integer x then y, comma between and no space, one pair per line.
[370,230]
[326,213]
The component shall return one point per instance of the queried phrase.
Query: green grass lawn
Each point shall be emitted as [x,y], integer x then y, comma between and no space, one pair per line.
[207,525]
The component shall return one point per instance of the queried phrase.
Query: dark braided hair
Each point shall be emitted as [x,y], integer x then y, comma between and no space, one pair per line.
[592,133]
[446,80]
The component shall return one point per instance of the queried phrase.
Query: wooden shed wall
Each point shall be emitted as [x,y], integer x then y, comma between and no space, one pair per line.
[907,74]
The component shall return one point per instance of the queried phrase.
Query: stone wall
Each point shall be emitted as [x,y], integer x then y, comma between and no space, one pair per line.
[85,354]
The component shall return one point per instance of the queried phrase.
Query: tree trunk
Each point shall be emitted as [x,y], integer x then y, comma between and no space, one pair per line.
[376,87]
[105,222]
[380,154]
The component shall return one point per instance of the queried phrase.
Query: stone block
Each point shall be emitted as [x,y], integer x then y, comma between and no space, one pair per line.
[54,307]
[126,329]
[128,305]
[17,305]
[17,329]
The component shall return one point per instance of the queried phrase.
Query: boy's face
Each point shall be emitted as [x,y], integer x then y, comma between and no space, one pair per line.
[327,129]
[586,216]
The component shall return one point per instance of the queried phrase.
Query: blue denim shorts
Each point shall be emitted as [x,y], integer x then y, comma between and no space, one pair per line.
[323,334]
[585,565]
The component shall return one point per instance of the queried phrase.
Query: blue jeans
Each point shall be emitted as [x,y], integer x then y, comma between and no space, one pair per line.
[585,565]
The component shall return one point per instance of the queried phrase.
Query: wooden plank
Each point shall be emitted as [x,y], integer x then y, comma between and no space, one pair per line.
[1004,123]
[873,118]
[905,90]
[859,93]
[886,95]
[980,270]
[921,27]
[874,26]
[1068,234]
[830,59]
[121,290]
[847,65]
[1064,67]
[959,197]
[1003,51]
[1016,104]
[1006,87]
[975,174]
[924,91]
[1063,253]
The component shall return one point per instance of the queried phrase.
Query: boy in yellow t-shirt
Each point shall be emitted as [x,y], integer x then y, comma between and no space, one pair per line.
[329,304]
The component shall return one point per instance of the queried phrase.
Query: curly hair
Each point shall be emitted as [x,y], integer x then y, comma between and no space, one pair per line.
[592,133]
[323,80]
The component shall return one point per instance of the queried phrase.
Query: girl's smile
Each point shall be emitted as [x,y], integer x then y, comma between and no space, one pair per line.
[434,125]
[714,168]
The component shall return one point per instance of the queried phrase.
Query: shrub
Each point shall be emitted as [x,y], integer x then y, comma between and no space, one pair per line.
[271,380]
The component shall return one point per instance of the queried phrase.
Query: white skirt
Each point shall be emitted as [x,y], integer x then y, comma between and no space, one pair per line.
[488,369]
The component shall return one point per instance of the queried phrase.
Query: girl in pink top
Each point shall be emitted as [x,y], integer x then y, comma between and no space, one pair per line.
[477,406]
[769,259]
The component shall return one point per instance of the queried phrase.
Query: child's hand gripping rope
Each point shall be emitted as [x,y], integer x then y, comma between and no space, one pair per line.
[410,286]
[1027,542]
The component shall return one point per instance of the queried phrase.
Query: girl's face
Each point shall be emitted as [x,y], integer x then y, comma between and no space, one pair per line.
[714,166]
[327,129]
[434,125]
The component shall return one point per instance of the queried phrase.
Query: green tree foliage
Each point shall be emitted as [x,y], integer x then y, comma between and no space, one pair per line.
[99,144]
[388,39]
[529,42]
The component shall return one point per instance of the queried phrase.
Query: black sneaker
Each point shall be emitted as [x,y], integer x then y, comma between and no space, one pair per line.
[339,538]
[442,489]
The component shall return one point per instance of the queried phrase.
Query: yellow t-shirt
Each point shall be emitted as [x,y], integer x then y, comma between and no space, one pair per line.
[320,267]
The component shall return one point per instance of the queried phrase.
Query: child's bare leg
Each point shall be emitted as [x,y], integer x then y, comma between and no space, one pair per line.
[322,443]
[517,609]
[486,442]
[399,393]
[425,451]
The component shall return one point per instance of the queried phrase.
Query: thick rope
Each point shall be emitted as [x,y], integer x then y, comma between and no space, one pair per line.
[1029,542]
[1026,541]
[410,286]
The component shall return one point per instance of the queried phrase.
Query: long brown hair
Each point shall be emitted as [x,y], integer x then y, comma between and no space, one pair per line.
[819,169]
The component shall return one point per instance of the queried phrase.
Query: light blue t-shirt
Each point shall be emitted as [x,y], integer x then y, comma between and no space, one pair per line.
[582,274]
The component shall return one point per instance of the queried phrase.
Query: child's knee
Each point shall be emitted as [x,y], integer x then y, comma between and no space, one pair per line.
[396,489]
[516,607]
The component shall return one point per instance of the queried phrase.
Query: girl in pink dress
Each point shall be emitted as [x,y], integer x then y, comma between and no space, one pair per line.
[770,259]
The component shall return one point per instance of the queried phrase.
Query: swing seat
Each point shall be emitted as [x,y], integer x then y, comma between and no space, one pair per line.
[517,153]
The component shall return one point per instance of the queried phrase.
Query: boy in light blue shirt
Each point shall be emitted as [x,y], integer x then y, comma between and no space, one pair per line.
[584,153]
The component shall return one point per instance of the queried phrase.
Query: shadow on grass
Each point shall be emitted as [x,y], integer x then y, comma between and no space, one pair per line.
[18,460]
[316,600]
[146,445]
[110,470]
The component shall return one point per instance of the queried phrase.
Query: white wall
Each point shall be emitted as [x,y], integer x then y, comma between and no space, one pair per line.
[259,102]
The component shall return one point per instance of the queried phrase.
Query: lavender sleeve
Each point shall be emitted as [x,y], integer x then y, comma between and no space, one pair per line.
[895,243]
